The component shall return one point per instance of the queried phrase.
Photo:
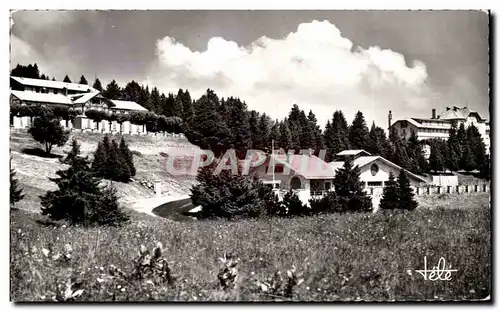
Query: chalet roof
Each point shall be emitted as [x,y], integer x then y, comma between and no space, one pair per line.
[42,97]
[83,98]
[363,161]
[127,105]
[308,166]
[352,152]
[54,84]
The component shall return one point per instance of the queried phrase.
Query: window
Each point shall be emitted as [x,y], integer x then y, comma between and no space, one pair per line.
[278,168]
[327,185]
[374,184]
[374,169]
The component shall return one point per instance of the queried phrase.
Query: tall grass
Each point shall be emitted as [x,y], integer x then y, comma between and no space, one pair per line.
[371,257]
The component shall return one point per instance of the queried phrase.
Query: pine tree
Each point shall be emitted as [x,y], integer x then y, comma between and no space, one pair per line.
[337,138]
[99,163]
[467,161]
[437,156]
[390,195]
[128,156]
[318,135]
[406,200]
[73,153]
[358,133]
[253,126]
[97,85]
[237,122]
[418,164]
[112,91]
[83,80]
[208,130]
[275,134]
[178,107]
[398,153]
[264,125]
[453,159]
[155,101]
[476,143]
[349,189]
[378,144]
[118,163]
[485,168]
[307,133]
[80,199]
[109,162]
[67,79]
[285,135]
[16,192]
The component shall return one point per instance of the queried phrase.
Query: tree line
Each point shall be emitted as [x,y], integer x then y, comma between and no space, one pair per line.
[220,124]
[464,150]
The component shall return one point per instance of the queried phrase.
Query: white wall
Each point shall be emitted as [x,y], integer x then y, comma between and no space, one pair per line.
[440,180]
[383,173]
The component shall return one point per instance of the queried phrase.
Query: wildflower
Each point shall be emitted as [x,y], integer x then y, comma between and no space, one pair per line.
[101,268]
[43,297]
[19,231]
[100,280]
[45,252]
[122,290]
[63,226]
[408,272]
[149,282]
[307,288]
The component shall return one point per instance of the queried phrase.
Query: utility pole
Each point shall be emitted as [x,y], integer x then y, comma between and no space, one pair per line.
[272,158]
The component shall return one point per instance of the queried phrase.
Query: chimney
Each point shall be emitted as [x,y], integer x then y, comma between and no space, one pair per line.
[389,117]
[433,113]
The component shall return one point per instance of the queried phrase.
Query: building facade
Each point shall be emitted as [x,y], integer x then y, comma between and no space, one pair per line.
[439,126]
[80,97]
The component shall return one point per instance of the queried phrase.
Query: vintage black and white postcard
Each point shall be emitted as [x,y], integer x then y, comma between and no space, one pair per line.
[250,155]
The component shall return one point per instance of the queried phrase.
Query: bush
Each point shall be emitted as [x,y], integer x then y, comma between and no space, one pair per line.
[406,200]
[16,192]
[349,190]
[80,199]
[326,204]
[390,196]
[228,196]
[110,163]
[128,156]
[49,132]
[292,206]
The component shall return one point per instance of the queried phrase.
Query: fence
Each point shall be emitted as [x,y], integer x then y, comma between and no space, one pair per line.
[463,189]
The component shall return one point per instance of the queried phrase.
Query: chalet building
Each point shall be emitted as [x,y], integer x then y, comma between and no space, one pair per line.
[310,176]
[439,126]
[26,91]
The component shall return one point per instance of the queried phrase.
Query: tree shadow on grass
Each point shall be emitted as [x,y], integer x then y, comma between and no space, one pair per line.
[40,153]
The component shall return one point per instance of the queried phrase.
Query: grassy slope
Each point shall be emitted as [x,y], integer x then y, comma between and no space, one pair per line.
[34,171]
[340,257]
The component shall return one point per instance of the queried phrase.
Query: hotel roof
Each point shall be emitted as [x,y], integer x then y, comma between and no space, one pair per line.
[127,105]
[54,84]
[42,97]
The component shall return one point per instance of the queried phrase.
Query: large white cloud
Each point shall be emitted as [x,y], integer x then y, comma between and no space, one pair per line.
[315,67]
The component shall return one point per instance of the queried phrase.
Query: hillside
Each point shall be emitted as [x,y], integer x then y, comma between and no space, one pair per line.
[150,158]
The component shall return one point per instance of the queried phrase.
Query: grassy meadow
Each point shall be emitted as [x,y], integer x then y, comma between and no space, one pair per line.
[339,257]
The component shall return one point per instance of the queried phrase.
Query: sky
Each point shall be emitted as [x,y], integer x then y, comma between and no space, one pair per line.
[408,62]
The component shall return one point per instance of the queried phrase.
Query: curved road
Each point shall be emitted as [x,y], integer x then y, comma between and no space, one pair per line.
[174,210]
